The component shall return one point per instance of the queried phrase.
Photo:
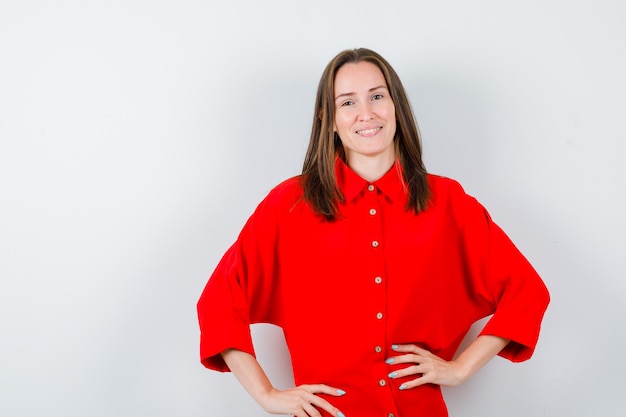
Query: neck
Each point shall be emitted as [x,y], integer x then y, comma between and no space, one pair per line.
[371,168]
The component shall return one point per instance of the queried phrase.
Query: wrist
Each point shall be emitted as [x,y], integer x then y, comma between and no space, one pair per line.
[262,396]
[462,371]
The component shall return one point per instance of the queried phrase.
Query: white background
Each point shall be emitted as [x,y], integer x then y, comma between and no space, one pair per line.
[137,136]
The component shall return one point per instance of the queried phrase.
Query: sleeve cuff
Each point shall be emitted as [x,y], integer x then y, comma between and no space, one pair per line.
[230,336]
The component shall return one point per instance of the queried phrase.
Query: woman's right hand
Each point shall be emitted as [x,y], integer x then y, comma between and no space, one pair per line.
[300,401]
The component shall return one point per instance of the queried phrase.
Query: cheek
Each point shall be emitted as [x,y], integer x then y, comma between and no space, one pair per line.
[340,123]
[392,120]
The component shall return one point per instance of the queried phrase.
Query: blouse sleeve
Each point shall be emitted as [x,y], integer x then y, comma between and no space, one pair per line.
[505,279]
[239,292]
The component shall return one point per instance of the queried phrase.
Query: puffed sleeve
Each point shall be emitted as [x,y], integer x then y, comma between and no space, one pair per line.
[239,292]
[504,279]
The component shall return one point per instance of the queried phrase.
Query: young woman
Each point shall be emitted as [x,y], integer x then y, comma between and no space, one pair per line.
[373,268]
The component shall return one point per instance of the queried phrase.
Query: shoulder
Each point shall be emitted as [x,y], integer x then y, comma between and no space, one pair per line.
[275,207]
[444,188]
[449,195]
[289,190]
[283,197]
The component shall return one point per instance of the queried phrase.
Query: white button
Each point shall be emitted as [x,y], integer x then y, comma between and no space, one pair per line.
[382,382]
[372,212]
[379,316]
[370,187]
[375,243]
[378,280]
[378,349]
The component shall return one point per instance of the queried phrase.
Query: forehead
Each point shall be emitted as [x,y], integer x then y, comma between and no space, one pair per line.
[353,78]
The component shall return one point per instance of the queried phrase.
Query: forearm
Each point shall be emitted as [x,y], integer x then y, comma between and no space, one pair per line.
[478,353]
[300,400]
[248,372]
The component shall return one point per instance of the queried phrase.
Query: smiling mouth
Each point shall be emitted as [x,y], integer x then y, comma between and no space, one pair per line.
[369,132]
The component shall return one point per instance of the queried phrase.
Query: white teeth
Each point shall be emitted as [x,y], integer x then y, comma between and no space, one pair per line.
[368,131]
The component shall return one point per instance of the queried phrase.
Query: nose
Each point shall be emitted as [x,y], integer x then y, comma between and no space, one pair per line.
[366,112]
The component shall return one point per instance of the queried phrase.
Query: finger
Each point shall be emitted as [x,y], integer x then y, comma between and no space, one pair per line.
[320,402]
[406,348]
[412,354]
[324,389]
[415,383]
[326,406]
[408,358]
[311,410]
[408,371]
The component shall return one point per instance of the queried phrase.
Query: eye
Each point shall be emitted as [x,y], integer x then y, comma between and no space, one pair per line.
[377,96]
[347,103]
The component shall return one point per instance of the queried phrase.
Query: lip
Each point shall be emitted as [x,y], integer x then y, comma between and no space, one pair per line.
[369,131]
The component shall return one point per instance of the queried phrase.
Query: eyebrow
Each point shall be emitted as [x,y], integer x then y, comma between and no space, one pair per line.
[370,90]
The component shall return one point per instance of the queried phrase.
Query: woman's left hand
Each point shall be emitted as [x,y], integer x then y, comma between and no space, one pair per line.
[427,367]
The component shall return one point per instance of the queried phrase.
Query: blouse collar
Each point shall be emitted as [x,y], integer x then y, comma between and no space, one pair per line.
[391,184]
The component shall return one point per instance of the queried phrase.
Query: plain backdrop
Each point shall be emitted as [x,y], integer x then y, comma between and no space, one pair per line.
[136,137]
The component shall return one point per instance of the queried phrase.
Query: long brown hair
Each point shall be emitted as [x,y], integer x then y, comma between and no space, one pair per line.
[318,171]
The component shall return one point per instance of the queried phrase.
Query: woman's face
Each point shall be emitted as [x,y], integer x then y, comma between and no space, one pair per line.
[365,116]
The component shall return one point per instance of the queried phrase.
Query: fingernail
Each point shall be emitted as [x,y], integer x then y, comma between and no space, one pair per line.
[393,375]
[340,414]
[403,386]
[394,347]
[388,361]
[341,392]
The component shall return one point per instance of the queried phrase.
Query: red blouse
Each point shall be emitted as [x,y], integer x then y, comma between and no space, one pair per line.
[344,291]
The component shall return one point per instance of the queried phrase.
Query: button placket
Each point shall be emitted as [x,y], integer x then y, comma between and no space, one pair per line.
[372,212]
